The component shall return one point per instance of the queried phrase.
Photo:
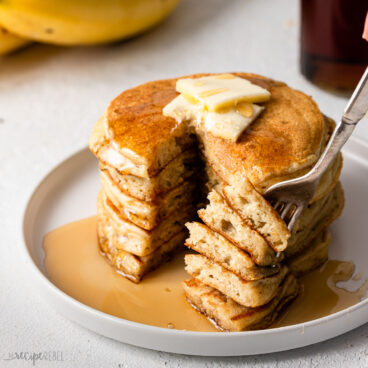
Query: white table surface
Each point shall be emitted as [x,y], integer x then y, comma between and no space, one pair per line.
[50,98]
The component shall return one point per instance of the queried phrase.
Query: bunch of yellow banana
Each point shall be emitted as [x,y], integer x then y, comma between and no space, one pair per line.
[76,22]
[10,42]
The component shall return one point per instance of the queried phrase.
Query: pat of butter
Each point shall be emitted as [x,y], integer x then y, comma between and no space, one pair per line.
[183,110]
[227,125]
[231,124]
[221,91]
[221,104]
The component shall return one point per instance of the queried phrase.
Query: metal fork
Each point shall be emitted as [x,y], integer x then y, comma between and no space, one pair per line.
[290,197]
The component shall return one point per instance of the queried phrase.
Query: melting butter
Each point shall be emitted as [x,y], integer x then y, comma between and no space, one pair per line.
[222,104]
[221,91]
[229,125]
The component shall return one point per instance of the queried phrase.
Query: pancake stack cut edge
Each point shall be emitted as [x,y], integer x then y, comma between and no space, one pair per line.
[237,287]
[142,218]
[244,263]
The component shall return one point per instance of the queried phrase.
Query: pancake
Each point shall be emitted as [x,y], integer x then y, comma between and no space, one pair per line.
[147,215]
[258,214]
[217,248]
[129,265]
[138,241]
[228,315]
[316,217]
[129,162]
[219,216]
[153,176]
[148,189]
[329,179]
[325,185]
[313,256]
[284,142]
[245,292]
[261,216]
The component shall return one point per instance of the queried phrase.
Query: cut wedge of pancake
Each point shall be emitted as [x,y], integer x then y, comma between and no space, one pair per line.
[255,210]
[258,213]
[228,315]
[219,216]
[216,247]
[247,293]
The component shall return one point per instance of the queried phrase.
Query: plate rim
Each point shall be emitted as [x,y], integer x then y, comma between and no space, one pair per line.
[358,143]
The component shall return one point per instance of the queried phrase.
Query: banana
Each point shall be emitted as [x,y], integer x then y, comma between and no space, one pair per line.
[10,42]
[82,22]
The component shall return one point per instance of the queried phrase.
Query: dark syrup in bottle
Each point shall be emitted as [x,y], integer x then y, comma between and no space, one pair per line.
[333,53]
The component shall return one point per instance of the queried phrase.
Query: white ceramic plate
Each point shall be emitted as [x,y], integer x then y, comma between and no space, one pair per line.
[69,192]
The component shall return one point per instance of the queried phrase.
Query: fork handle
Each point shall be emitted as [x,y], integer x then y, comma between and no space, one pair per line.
[356,108]
[339,137]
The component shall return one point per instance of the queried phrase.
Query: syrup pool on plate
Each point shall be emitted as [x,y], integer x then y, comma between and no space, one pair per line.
[74,264]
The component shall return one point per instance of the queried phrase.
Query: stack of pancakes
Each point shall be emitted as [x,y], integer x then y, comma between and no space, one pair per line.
[143,205]
[246,262]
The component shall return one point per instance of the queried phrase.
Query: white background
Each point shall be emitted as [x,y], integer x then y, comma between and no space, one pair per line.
[50,98]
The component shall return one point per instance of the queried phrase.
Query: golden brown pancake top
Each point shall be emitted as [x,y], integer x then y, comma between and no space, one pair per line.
[135,120]
[285,138]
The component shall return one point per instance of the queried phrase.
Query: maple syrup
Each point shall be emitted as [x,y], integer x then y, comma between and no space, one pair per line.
[74,263]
